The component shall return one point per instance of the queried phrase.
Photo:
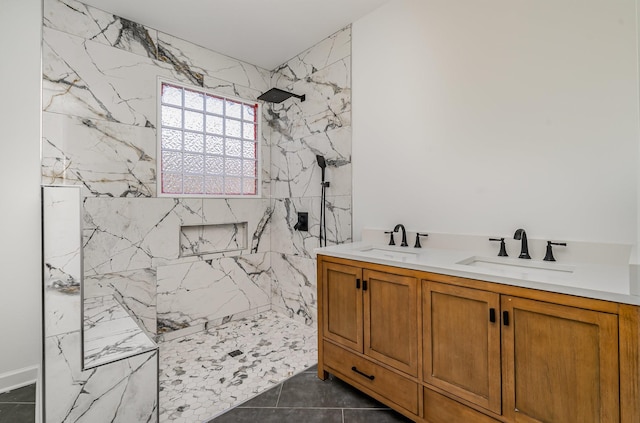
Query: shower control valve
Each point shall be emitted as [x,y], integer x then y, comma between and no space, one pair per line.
[303,222]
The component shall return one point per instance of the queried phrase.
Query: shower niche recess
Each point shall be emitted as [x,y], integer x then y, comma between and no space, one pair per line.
[197,240]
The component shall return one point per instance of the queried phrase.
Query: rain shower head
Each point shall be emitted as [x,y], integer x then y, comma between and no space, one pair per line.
[276,95]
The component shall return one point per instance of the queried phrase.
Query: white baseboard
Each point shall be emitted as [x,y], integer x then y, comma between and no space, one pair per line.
[18,378]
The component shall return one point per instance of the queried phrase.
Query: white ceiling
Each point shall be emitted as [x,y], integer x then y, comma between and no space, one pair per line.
[266,33]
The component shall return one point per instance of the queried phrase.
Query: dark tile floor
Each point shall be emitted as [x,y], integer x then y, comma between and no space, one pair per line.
[305,398]
[19,405]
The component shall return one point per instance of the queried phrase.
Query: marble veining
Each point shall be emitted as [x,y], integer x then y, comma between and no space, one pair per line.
[99,101]
[328,104]
[213,64]
[294,287]
[171,333]
[62,259]
[108,393]
[105,158]
[294,169]
[326,52]
[299,131]
[204,239]
[88,79]
[124,234]
[136,290]
[120,392]
[126,238]
[195,293]
[93,24]
[198,379]
[110,334]
[256,212]
[181,67]
[291,242]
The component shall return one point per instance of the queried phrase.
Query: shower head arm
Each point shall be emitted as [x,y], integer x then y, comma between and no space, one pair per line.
[276,95]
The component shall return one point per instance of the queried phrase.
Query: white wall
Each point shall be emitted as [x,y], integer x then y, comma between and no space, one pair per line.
[482,117]
[20,249]
[636,259]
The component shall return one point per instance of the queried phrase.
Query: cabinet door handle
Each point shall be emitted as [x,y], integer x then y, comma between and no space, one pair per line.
[492,315]
[370,377]
[364,285]
[357,283]
[505,318]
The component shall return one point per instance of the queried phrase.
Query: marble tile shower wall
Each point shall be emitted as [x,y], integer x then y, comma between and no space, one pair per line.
[122,392]
[99,131]
[300,130]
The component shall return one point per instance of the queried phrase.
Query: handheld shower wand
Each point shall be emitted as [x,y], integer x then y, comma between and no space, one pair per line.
[323,215]
[322,163]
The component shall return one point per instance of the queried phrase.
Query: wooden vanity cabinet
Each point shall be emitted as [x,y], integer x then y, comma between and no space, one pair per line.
[560,364]
[373,313]
[461,342]
[342,305]
[443,349]
[370,329]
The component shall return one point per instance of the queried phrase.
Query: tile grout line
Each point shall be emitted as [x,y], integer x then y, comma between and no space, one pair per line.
[18,402]
[279,393]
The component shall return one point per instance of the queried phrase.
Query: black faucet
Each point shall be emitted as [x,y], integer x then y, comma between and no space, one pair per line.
[524,251]
[417,244]
[404,234]
[503,248]
[391,240]
[549,255]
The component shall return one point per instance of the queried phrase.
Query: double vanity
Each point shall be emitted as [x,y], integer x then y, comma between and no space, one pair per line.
[447,335]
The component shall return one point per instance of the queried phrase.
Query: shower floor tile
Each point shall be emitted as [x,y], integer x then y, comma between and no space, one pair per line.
[199,379]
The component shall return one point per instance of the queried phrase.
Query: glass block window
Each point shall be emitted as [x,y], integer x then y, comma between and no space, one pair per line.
[208,144]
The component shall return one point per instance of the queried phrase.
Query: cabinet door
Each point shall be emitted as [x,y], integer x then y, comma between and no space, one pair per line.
[342,305]
[461,342]
[560,363]
[391,320]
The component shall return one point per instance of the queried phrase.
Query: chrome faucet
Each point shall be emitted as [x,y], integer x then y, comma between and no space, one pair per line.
[404,234]
[524,251]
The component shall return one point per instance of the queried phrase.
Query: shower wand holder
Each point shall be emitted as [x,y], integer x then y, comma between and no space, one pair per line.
[325,184]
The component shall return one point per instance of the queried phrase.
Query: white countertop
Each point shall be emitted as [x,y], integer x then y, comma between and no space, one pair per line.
[610,282]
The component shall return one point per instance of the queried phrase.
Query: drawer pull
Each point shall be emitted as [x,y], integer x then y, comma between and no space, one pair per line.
[355,369]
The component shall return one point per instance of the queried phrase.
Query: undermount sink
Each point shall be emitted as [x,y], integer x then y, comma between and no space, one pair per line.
[518,266]
[388,254]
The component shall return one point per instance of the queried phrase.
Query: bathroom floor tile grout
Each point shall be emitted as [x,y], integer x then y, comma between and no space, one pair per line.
[279,394]
[22,410]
